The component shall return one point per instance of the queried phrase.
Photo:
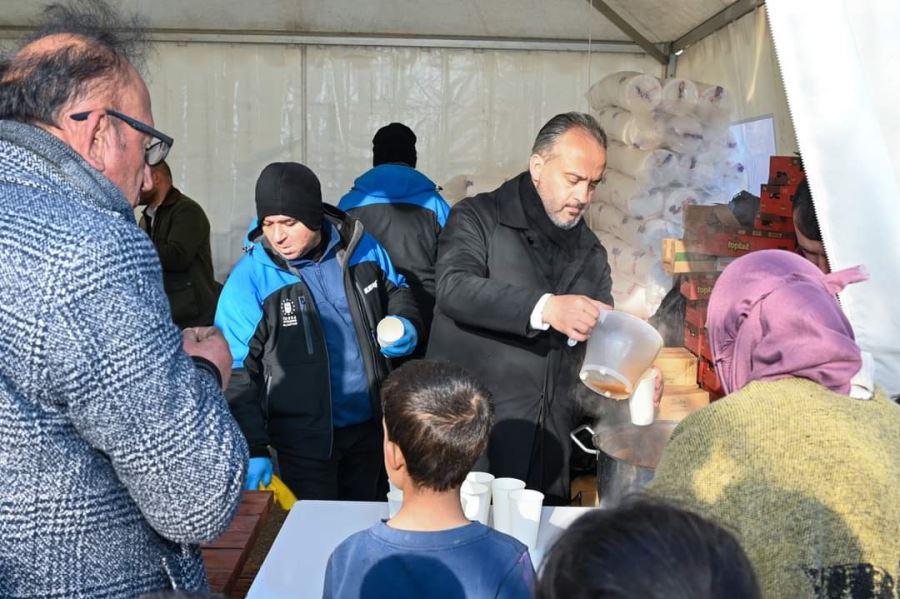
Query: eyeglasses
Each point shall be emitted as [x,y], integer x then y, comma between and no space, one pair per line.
[156,151]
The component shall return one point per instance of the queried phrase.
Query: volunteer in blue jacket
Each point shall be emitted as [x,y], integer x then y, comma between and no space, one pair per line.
[403,210]
[299,311]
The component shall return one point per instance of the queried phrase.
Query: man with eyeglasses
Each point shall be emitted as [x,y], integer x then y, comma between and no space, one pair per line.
[118,454]
[180,231]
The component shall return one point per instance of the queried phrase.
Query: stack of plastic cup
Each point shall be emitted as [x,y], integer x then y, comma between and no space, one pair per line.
[525,516]
[476,501]
[501,489]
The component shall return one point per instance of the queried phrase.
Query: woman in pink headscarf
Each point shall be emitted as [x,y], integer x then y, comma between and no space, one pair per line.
[804,472]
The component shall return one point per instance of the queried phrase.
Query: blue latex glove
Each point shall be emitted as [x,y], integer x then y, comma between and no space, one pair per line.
[405,344]
[259,471]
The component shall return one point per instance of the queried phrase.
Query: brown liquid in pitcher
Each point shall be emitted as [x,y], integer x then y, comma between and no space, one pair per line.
[610,388]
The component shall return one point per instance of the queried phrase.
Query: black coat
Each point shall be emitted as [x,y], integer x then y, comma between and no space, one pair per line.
[180,232]
[487,286]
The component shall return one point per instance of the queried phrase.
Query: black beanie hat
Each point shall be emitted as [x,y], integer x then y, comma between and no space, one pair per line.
[289,189]
[394,143]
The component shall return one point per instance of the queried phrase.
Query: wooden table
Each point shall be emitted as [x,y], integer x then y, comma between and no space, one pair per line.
[224,557]
[295,565]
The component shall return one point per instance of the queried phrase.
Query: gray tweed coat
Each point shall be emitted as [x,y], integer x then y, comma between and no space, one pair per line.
[117,455]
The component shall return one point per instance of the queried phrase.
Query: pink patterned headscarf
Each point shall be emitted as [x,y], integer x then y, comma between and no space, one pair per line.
[773,314]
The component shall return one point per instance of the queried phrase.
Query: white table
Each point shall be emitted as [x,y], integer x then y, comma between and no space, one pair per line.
[295,566]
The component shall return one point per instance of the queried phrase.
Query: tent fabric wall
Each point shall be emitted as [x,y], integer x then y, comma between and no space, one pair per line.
[741,58]
[233,108]
[844,104]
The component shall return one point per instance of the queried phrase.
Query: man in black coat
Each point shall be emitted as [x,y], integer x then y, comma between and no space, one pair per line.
[519,275]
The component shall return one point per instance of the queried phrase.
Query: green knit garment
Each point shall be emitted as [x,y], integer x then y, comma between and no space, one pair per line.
[807,479]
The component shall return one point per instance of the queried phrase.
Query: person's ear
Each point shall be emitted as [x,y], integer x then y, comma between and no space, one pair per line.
[535,167]
[92,138]
[393,457]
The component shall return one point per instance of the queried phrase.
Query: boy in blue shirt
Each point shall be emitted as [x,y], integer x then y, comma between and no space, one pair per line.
[437,419]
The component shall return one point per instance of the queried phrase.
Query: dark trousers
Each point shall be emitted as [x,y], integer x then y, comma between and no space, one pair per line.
[355,471]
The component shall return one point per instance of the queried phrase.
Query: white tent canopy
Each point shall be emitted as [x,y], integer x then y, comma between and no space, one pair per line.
[241,84]
[658,21]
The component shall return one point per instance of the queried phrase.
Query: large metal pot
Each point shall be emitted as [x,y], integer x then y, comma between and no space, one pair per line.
[627,456]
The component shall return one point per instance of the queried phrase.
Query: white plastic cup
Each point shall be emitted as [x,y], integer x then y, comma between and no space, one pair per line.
[389,330]
[476,501]
[640,404]
[395,502]
[501,488]
[483,478]
[525,515]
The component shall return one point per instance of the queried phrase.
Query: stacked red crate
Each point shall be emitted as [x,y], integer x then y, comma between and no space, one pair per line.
[714,231]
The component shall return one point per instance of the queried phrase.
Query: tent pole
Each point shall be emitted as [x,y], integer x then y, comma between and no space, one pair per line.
[626,28]
[717,21]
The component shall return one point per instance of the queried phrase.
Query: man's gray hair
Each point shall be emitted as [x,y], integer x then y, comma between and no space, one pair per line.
[550,133]
[35,86]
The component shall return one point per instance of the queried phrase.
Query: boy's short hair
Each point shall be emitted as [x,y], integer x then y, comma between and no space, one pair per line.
[440,416]
[649,550]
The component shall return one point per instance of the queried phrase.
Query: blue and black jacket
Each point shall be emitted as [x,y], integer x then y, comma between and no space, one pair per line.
[403,210]
[280,391]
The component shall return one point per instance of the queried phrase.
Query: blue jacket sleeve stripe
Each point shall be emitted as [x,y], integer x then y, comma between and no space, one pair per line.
[427,201]
[369,250]
[240,307]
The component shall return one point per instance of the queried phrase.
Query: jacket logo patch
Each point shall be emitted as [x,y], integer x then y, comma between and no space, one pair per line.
[370,287]
[288,313]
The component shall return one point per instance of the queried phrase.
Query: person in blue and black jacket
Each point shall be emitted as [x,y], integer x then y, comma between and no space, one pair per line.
[300,311]
[404,211]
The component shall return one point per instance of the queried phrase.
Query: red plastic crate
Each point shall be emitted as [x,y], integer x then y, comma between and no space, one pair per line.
[697,286]
[707,378]
[774,223]
[695,314]
[697,342]
[740,243]
[786,171]
[775,200]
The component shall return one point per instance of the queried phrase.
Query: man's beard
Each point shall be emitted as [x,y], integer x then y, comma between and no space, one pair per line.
[565,226]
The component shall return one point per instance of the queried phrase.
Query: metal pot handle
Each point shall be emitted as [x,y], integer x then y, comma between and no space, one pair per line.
[573,435]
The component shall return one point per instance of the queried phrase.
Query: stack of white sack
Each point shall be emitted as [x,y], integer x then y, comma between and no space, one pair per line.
[650,168]
[716,105]
[628,195]
[670,146]
[465,186]
[644,132]
[635,92]
[713,173]
[638,233]
[679,97]
[639,283]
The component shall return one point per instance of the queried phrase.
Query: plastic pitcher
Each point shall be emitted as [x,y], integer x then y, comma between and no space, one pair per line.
[621,348]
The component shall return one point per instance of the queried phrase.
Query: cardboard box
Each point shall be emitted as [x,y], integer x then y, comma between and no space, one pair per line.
[679,402]
[698,286]
[695,313]
[676,260]
[709,380]
[697,342]
[786,171]
[714,230]
[678,366]
[775,200]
